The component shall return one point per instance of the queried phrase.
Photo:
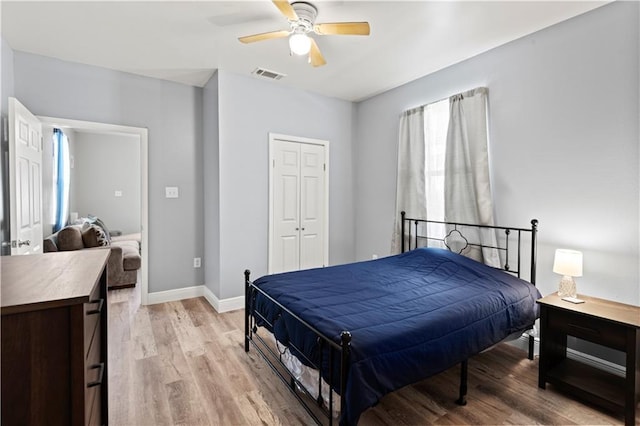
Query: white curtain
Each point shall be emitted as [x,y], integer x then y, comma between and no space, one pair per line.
[467,185]
[410,184]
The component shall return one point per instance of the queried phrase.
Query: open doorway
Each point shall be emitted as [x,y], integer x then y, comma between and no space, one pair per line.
[135,135]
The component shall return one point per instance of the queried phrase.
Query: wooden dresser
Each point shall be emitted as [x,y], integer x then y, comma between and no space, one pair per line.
[54,338]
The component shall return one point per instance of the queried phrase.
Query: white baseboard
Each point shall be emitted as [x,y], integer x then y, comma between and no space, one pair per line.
[220,305]
[602,364]
[223,305]
[596,362]
[523,343]
[174,295]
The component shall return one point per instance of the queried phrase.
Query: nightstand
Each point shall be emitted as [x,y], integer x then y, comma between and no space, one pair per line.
[611,324]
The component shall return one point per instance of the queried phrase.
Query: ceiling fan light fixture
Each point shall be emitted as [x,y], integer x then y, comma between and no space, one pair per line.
[301,16]
[299,43]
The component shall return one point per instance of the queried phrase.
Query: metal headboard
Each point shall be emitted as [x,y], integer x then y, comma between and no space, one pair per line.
[455,229]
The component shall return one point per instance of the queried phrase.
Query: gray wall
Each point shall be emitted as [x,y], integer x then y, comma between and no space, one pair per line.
[211,159]
[6,90]
[173,115]
[6,76]
[248,110]
[103,164]
[564,145]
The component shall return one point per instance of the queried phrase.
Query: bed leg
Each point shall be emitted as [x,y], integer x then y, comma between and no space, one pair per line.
[345,344]
[247,292]
[531,342]
[463,383]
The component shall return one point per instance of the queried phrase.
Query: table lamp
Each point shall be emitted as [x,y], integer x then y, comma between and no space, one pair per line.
[567,263]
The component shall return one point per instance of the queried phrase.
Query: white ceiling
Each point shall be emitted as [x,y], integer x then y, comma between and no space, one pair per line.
[187,41]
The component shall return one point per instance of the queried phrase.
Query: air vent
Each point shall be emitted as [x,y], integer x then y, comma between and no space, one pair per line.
[271,75]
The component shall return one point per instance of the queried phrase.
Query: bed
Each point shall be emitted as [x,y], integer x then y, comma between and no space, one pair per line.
[369,328]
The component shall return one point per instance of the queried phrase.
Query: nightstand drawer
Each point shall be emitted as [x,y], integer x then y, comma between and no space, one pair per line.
[588,328]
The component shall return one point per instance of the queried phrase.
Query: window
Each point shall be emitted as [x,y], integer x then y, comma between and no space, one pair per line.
[443,168]
[61,178]
[436,122]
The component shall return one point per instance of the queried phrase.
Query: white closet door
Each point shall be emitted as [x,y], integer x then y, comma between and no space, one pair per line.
[298,204]
[312,209]
[286,206]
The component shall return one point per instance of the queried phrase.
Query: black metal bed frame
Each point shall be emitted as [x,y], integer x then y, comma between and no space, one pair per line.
[342,350]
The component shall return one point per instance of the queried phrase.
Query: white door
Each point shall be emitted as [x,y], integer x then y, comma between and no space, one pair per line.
[312,209]
[25,180]
[286,206]
[298,204]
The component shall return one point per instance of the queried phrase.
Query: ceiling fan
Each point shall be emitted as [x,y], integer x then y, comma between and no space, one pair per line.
[302,16]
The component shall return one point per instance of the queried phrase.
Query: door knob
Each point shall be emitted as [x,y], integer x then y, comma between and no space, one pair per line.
[24,243]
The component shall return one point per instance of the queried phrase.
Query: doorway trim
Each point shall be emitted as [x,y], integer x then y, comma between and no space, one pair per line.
[143,133]
[301,140]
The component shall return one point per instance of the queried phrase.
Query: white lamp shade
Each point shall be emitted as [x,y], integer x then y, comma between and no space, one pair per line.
[300,44]
[568,262]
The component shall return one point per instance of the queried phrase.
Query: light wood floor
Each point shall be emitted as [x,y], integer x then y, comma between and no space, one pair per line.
[183,363]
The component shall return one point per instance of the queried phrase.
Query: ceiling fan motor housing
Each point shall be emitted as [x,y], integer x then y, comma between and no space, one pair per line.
[306,12]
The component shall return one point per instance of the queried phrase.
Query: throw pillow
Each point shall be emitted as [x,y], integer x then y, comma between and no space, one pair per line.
[90,237]
[100,236]
[70,238]
[97,221]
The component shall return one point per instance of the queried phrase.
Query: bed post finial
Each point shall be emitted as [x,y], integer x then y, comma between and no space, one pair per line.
[247,291]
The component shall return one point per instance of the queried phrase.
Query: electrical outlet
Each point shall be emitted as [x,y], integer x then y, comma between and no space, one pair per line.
[171,192]
[197,262]
[117,193]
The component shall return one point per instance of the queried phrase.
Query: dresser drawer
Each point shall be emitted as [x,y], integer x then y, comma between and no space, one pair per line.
[94,376]
[588,328]
[95,413]
[92,316]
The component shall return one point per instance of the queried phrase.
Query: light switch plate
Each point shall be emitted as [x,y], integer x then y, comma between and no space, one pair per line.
[171,192]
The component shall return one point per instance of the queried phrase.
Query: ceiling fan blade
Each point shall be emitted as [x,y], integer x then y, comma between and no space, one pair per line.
[286,9]
[315,57]
[342,28]
[264,36]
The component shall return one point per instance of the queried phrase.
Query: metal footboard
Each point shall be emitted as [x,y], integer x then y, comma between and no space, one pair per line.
[273,358]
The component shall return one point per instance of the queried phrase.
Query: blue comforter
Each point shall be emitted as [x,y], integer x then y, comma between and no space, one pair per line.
[411,316]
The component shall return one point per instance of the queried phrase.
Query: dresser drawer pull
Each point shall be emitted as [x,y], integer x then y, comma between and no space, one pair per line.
[96,311]
[100,374]
[584,329]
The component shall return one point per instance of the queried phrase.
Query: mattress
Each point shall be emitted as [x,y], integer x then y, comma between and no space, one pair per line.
[411,316]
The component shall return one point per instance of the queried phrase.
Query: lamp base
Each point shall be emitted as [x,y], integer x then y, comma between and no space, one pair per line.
[567,287]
